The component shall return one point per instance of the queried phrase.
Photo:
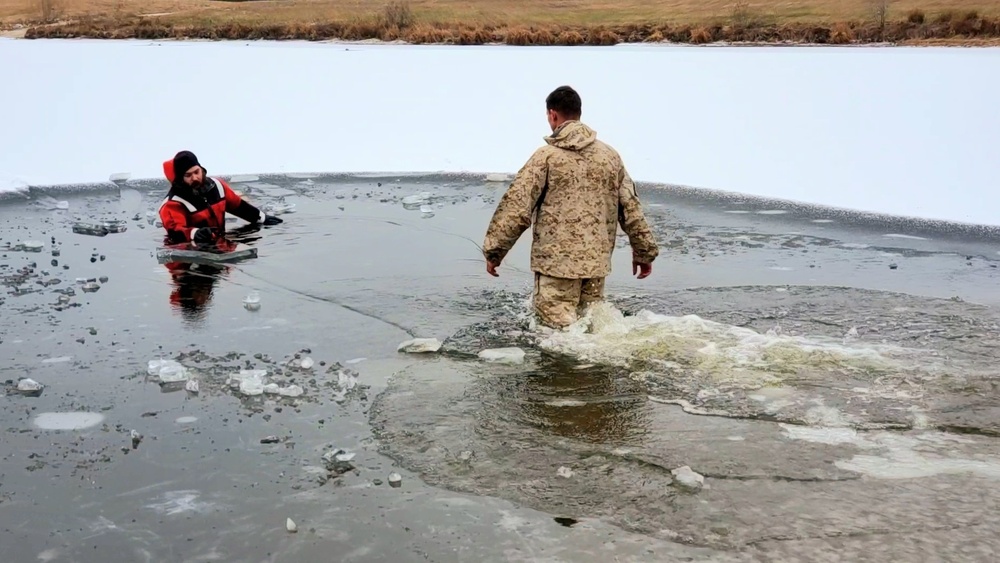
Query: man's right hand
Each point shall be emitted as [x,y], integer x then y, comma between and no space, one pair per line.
[202,235]
[642,269]
[491,268]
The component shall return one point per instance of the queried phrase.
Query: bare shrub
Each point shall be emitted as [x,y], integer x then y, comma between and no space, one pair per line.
[915,16]
[570,37]
[397,14]
[655,37]
[841,34]
[602,36]
[427,34]
[518,36]
[700,35]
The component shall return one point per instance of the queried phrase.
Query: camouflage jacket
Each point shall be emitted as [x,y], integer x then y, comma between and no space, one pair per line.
[576,191]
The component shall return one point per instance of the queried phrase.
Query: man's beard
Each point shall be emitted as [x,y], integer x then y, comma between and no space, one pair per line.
[198,187]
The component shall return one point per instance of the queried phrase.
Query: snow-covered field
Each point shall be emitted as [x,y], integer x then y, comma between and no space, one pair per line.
[894,130]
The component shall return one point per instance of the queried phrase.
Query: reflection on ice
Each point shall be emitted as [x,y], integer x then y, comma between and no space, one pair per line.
[896,456]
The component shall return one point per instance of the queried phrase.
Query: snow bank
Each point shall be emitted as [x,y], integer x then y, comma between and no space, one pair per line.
[900,131]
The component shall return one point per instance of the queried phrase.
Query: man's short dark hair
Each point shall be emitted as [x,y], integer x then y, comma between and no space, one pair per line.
[565,101]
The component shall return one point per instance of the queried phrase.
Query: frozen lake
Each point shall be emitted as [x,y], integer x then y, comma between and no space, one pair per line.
[801,363]
[900,131]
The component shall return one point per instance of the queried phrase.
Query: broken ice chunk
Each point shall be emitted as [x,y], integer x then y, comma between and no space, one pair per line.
[419,345]
[417,199]
[291,391]
[564,472]
[167,370]
[688,479]
[251,386]
[29,387]
[249,381]
[395,479]
[338,461]
[252,301]
[346,379]
[290,525]
[96,230]
[33,246]
[173,373]
[115,226]
[502,355]
[272,388]
[307,363]
[192,385]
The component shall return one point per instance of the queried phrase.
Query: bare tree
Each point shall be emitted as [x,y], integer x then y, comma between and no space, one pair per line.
[879,10]
[49,10]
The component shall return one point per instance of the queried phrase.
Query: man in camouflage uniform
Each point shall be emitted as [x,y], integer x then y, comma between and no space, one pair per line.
[576,191]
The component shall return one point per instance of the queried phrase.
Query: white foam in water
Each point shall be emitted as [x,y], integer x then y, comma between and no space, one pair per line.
[502,355]
[738,211]
[910,237]
[566,403]
[186,419]
[605,335]
[822,220]
[419,345]
[771,212]
[67,420]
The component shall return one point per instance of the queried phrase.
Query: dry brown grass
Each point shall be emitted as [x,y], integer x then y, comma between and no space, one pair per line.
[519,22]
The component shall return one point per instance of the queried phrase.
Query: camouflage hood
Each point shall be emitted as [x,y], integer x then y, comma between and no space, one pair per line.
[572,135]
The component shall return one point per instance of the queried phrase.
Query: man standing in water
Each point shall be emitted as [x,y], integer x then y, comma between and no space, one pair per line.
[195,207]
[577,192]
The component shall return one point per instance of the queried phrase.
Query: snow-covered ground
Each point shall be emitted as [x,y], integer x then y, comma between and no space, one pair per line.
[894,130]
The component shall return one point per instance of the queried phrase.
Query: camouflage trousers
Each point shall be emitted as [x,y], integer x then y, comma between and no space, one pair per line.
[559,302]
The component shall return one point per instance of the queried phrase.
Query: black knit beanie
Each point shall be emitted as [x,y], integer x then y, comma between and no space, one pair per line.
[183,161]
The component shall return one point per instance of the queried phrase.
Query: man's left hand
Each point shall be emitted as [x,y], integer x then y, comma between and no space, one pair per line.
[272,220]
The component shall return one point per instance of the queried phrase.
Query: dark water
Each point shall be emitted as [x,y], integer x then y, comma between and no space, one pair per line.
[802,368]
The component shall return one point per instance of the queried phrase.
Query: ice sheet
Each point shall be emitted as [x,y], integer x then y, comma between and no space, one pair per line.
[894,130]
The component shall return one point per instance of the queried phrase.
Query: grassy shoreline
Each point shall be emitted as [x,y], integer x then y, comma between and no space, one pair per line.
[588,23]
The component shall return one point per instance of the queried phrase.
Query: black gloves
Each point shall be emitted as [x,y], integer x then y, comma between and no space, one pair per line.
[202,236]
[272,220]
